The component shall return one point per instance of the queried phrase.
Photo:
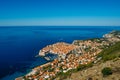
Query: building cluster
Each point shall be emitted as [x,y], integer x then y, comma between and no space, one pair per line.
[50,70]
[58,48]
[90,47]
[113,36]
[74,58]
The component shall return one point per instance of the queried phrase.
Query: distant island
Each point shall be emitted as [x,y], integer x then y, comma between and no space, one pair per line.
[71,58]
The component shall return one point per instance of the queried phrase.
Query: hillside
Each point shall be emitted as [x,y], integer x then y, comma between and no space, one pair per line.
[94,73]
[110,58]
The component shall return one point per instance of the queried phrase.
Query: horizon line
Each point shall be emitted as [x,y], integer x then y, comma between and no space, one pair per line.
[59,25]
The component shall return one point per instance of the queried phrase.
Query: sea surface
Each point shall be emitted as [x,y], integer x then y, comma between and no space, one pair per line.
[20,44]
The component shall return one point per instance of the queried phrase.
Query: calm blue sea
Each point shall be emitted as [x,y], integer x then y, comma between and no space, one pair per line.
[19,45]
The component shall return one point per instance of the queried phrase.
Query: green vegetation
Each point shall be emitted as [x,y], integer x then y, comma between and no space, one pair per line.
[47,67]
[62,75]
[25,78]
[115,32]
[110,53]
[81,67]
[94,39]
[87,49]
[65,75]
[106,71]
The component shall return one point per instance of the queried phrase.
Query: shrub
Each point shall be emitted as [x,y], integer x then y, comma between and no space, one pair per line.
[106,71]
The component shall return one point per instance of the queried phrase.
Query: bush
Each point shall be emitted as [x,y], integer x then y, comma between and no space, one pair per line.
[106,71]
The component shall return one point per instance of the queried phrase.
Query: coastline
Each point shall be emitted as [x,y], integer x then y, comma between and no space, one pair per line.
[110,38]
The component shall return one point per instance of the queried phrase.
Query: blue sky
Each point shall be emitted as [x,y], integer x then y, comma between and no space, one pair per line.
[60,12]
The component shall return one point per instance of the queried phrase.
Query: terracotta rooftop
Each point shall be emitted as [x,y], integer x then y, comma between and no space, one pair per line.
[58,48]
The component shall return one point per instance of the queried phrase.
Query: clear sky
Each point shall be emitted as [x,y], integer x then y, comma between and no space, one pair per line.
[60,12]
